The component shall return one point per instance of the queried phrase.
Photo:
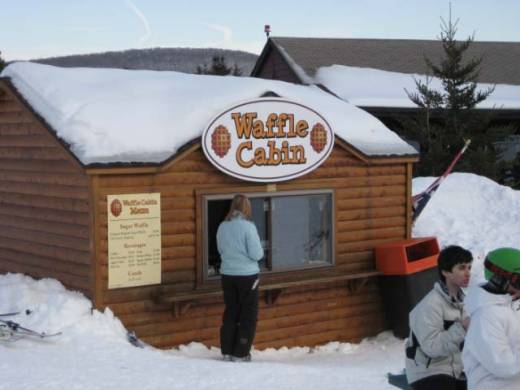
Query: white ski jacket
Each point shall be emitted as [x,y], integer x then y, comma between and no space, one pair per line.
[491,353]
[436,323]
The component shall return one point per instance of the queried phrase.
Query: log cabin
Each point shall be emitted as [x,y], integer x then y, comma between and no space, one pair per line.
[114,182]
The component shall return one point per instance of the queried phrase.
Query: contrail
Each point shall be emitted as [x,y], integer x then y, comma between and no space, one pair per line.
[142,18]
[226,41]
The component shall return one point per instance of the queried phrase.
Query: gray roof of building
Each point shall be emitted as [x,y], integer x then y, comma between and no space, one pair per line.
[500,65]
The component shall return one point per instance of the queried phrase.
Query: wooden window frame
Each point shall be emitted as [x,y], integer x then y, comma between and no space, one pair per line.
[272,276]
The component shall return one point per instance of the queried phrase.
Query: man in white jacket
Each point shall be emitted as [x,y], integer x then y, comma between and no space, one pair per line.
[438,326]
[491,352]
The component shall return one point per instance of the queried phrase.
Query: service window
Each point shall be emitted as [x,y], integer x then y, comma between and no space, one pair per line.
[295,228]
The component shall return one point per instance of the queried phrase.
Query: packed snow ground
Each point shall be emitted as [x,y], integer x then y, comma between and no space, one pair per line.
[92,352]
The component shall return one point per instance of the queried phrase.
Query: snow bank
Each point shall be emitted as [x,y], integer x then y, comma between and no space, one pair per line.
[471,211]
[46,306]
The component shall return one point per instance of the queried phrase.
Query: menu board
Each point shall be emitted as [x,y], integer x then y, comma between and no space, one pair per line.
[134,240]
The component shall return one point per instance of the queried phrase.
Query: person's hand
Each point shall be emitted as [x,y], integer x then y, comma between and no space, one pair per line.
[465,322]
[516,296]
[515,293]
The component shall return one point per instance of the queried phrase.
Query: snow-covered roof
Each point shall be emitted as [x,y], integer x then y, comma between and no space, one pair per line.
[500,60]
[114,115]
[366,87]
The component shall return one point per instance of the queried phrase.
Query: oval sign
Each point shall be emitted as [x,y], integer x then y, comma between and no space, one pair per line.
[268,140]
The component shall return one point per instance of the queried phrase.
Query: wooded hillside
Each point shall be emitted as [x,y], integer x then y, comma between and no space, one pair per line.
[177,59]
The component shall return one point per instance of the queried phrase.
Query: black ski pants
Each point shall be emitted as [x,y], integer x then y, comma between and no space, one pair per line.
[439,382]
[240,315]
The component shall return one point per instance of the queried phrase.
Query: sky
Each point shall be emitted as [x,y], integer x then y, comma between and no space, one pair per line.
[37,29]
[92,352]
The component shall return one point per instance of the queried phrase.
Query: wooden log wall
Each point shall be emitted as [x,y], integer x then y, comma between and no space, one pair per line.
[370,208]
[275,67]
[44,201]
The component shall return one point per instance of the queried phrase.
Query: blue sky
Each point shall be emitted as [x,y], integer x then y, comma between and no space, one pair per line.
[42,28]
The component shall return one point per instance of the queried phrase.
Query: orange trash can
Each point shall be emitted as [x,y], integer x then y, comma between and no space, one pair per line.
[409,270]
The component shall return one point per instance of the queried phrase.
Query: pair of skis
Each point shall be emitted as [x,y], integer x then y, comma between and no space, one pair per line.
[12,331]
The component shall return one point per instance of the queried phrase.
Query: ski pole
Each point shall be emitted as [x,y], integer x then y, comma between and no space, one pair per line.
[15,313]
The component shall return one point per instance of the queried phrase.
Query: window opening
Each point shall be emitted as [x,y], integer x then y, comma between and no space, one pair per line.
[295,229]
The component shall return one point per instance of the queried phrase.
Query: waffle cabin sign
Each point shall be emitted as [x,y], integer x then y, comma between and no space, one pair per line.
[268,140]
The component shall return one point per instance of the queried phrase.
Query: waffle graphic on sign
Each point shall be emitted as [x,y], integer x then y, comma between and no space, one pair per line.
[318,137]
[116,208]
[220,141]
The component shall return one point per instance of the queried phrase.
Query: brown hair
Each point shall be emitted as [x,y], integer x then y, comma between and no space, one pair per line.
[239,203]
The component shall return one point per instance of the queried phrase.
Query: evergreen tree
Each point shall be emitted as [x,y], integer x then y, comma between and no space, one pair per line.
[219,67]
[2,62]
[448,116]
[515,172]
[512,173]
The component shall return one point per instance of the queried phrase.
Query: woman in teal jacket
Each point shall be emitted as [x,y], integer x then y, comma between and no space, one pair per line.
[240,250]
